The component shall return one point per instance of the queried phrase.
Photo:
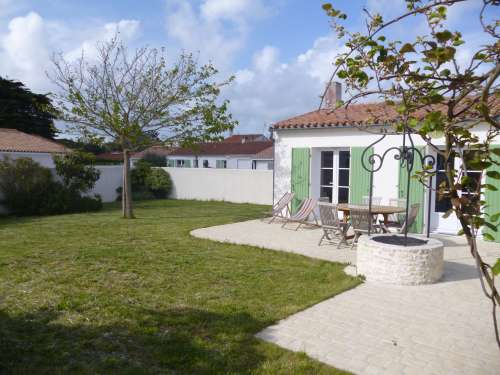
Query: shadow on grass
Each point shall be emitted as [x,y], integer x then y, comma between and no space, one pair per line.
[180,340]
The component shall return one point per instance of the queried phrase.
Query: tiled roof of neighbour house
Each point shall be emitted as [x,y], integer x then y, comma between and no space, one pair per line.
[223,148]
[157,150]
[265,154]
[113,156]
[242,138]
[366,114]
[13,140]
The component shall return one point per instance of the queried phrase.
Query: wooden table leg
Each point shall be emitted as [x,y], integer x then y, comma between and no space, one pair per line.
[386,219]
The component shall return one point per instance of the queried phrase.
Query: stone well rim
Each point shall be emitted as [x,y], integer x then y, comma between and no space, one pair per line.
[431,242]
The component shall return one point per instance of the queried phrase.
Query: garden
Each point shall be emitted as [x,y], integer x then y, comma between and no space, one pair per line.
[94,293]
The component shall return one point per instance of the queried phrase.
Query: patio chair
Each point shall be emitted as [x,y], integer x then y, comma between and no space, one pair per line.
[397,219]
[400,228]
[331,224]
[360,222]
[282,205]
[305,210]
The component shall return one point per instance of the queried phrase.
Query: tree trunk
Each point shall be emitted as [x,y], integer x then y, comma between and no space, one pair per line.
[127,187]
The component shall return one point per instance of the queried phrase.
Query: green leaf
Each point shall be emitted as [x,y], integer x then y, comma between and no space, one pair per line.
[493,174]
[444,36]
[408,47]
[495,217]
[496,267]
[489,237]
[490,187]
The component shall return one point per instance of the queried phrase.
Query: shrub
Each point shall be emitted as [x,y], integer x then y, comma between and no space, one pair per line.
[139,173]
[147,182]
[159,183]
[155,160]
[77,171]
[30,189]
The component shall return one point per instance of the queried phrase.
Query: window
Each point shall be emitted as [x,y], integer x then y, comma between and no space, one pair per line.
[179,163]
[473,173]
[221,164]
[205,164]
[334,175]
[343,181]
[442,204]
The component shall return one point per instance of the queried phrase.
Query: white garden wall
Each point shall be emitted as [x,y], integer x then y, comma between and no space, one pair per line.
[110,179]
[231,185]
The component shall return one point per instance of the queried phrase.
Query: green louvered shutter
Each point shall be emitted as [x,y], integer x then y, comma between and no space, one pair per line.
[300,175]
[219,163]
[187,163]
[359,177]
[493,198]
[416,191]
[170,163]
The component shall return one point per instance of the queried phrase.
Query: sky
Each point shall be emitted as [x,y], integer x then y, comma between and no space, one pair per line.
[280,51]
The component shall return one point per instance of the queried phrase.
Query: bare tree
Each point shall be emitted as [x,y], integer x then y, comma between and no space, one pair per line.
[130,96]
[435,94]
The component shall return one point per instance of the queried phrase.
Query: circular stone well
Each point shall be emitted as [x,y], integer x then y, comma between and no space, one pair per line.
[414,264]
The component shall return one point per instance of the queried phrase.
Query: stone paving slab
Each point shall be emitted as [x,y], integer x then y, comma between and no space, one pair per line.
[443,328]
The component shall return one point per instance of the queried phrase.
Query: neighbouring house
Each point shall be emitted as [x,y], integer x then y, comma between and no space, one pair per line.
[230,155]
[318,154]
[16,144]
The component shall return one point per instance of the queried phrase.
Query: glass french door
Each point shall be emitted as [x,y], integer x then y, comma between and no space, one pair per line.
[334,175]
[439,221]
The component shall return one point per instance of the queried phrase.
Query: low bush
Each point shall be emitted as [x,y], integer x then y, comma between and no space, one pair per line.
[159,183]
[148,182]
[27,188]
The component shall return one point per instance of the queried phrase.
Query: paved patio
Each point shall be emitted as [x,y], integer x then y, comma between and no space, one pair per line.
[444,328]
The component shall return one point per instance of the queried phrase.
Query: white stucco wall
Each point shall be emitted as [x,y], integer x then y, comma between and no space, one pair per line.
[42,158]
[231,185]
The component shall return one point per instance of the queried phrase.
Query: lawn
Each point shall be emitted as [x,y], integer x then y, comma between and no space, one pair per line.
[94,293]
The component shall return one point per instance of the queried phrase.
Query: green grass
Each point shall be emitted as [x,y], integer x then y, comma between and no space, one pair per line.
[94,293]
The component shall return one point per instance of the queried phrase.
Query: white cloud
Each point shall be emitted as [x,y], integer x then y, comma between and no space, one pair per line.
[126,30]
[272,90]
[30,40]
[266,58]
[217,29]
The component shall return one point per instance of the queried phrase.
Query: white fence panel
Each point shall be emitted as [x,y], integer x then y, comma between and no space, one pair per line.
[110,179]
[230,185]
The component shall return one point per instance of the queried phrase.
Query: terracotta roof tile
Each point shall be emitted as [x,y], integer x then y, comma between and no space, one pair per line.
[12,140]
[355,114]
[266,154]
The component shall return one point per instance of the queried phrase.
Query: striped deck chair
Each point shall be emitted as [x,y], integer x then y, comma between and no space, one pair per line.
[282,205]
[306,209]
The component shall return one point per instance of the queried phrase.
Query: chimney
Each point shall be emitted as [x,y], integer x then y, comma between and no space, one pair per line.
[332,95]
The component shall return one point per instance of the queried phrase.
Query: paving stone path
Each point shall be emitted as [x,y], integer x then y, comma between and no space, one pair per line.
[444,328]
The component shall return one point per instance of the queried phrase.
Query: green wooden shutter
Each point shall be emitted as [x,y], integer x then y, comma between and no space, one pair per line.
[219,163]
[170,163]
[416,191]
[493,198]
[187,163]
[300,175]
[359,177]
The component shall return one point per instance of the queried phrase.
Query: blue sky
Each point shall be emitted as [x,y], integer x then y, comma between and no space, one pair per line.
[280,51]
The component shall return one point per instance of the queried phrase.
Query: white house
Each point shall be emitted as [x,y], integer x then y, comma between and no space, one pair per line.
[242,151]
[318,154]
[16,144]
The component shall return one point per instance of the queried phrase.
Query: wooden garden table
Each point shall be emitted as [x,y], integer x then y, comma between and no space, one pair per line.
[385,211]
